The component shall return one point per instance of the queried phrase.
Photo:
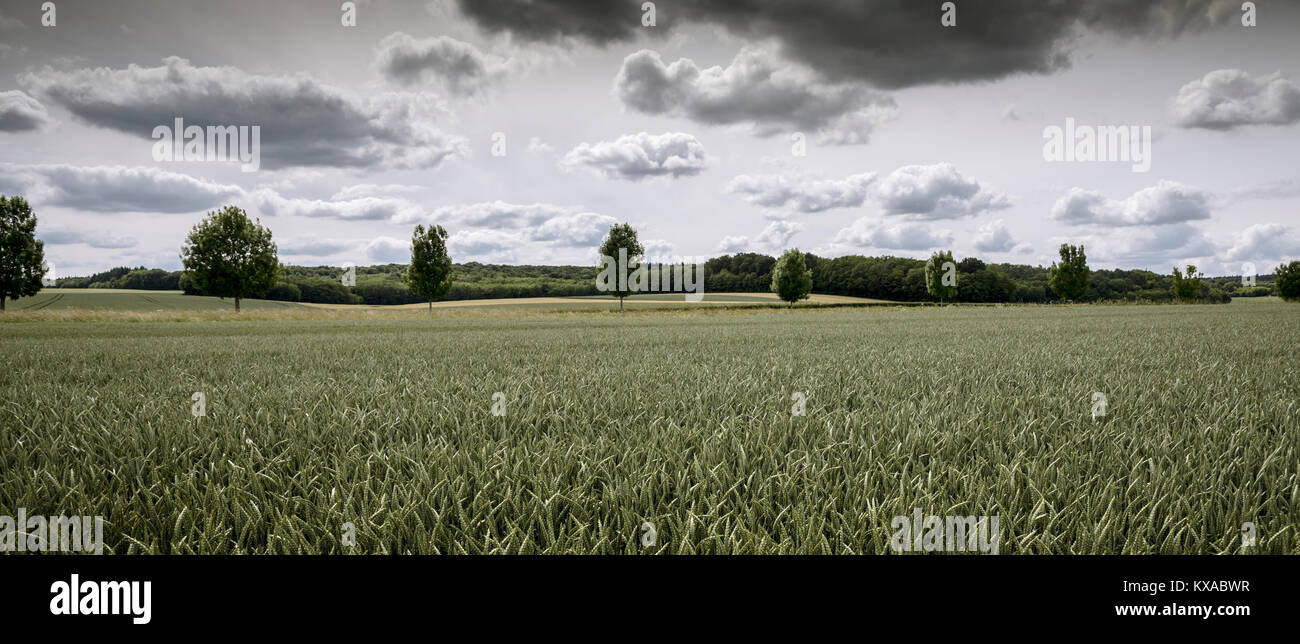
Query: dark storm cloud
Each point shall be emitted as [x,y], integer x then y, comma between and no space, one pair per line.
[758,90]
[458,66]
[20,112]
[591,20]
[303,122]
[889,43]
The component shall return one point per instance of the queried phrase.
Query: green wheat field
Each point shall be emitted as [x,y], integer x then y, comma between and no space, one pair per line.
[678,417]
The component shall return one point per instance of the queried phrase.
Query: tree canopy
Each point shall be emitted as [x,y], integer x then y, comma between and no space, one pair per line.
[22,255]
[429,274]
[1186,287]
[621,237]
[1288,281]
[1069,278]
[941,276]
[229,255]
[791,279]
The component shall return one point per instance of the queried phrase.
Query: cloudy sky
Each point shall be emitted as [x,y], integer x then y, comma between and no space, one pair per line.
[526,127]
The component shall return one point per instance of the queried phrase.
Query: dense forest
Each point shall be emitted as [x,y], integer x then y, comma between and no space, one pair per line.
[886,278]
[903,279]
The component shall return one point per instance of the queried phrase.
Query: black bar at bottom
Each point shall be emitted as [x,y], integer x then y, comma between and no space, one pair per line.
[389,592]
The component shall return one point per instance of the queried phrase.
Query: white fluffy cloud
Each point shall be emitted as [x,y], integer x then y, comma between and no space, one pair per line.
[802,194]
[776,236]
[1264,244]
[638,156]
[490,245]
[874,233]
[303,121]
[1165,203]
[20,112]
[477,228]
[1155,246]
[494,230]
[995,237]
[1228,98]
[584,228]
[936,191]
[497,214]
[538,146]
[773,239]
[118,188]
[359,209]
[928,192]
[758,90]
[733,244]
[658,248]
[388,250]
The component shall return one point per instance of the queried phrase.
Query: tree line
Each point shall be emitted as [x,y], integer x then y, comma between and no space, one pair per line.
[886,278]
[229,255]
[904,279]
[377,284]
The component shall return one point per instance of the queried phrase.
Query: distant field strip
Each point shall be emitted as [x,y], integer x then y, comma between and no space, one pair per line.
[682,420]
[657,299]
[95,299]
[98,305]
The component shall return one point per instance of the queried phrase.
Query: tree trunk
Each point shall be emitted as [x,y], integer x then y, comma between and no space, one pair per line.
[2,303]
[620,305]
[236,304]
[431,306]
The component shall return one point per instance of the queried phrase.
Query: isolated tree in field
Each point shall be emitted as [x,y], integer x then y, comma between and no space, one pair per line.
[1287,281]
[941,276]
[1186,286]
[22,255]
[229,255]
[429,274]
[791,280]
[621,236]
[1069,279]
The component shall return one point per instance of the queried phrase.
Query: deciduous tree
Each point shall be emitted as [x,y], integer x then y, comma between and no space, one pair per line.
[22,255]
[941,276]
[620,237]
[229,255]
[1186,286]
[791,280]
[1069,279]
[429,274]
[1287,281]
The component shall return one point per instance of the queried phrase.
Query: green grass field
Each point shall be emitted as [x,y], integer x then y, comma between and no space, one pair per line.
[679,419]
[93,304]
[106,299]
